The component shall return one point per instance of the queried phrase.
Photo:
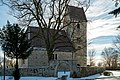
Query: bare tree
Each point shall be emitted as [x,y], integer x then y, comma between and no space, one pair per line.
[91,54]
[46,14]
[116,43]
[110,56]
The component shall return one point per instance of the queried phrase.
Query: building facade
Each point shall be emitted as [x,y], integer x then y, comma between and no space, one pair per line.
[74,53]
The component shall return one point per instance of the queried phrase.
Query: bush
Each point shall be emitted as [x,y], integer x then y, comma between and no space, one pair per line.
[107,73]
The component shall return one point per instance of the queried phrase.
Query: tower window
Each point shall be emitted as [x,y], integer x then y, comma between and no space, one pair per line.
[78,26]
[55,56]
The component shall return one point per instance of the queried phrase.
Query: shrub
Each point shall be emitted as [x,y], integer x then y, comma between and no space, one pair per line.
[106,73]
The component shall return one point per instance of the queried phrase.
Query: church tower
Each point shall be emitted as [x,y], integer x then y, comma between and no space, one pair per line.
[77,32]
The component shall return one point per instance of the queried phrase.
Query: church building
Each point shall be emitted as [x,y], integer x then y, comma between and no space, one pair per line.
[75,51]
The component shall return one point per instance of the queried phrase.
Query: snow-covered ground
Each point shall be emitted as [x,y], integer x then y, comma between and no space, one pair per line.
[97,77]
[49,78]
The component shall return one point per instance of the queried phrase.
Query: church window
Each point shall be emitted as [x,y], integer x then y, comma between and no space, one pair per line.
[78,26]
[54,56]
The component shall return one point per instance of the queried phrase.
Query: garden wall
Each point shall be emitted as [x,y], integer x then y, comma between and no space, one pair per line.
[87,71]
[50,71]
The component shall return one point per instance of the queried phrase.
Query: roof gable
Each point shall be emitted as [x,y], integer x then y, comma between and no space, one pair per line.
[63,43]
[77,13]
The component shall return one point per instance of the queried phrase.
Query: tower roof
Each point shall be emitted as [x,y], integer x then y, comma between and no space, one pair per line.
[77,13]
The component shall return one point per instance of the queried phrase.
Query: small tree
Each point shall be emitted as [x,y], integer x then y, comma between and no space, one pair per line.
[15,44]
[117,45]
[110,56]
[91,54]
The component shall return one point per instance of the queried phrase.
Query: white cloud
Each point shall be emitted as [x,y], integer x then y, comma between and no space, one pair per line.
[99,47]
[97,6]
[100,22]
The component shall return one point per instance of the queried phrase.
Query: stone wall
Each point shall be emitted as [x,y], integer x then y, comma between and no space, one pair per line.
[38,58]
[64,55]
[41,71]
[50,71]
[87,71]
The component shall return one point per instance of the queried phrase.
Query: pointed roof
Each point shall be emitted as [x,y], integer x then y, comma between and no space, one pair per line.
[77,13]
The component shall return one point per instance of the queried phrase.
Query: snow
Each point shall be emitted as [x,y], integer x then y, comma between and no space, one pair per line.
[96,76]
[51,78]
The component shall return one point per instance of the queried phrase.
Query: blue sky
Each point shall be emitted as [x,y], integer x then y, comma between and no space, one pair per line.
[4,16]
[101,25]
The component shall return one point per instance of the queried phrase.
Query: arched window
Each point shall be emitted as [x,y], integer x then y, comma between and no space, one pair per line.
[78,26]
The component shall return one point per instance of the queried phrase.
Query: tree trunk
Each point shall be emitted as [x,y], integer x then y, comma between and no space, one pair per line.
[109,65]
[16,73]
[16,65]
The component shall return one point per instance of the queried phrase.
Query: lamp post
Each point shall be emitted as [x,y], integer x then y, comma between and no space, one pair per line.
[4,66]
